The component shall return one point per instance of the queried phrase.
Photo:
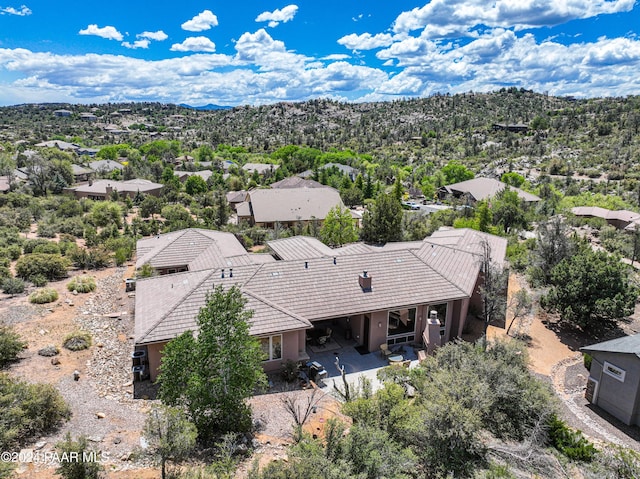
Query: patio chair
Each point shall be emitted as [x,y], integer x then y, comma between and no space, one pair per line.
[322,341]
[328,334]
[385,351]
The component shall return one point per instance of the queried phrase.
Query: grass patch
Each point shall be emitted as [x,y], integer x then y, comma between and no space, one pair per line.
[77,341]
[43,296]
[82,284]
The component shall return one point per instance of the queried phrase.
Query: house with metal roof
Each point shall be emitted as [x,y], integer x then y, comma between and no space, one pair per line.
[406,293]
[614,377]
[478,189]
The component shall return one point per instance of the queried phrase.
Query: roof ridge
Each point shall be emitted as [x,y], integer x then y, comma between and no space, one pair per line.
[188,293]
[274,305]
[180,233]
[413,252]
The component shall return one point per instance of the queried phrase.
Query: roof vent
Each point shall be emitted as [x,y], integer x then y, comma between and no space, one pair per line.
[306,265]
[365,281]
[230,272]
[222,275]
[335,261]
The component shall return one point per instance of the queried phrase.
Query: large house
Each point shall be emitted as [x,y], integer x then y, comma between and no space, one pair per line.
[102,189]
[478,189]
[402,293]
[621,219]
[287,206]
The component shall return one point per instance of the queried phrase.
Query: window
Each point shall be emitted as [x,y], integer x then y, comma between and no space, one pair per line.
[401,325]
[614,371]
[272,347]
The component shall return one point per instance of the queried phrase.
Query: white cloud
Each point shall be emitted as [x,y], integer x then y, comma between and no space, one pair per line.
[456,17]
[158,36]
[366,41]
[194,44]
[144,43]
[202,21]
[278,16]
[108,32]
[336,56]
[21,12]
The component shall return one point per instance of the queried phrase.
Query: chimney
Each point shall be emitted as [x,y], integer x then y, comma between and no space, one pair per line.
[222,276]
[433,316]
[365,282]
[230,272]
[108,190]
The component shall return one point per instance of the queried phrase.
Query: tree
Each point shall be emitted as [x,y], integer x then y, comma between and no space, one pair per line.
[212,375]
[195,185]
[382,222]
[338,227]
[552,246]
[590,287]
[508,210]
[512,178]
[493,290]
[81,462]
[170,434]
[51,266]
[150,206]
[519,305]
[455,172]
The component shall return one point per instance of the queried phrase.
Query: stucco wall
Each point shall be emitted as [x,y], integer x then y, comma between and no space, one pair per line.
[616,397]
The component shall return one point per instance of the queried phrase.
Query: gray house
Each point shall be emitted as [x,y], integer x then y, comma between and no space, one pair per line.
[614,379]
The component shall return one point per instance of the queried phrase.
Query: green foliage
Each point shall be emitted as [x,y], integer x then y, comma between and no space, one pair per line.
[92,258]
[145,271]
[77,341]
[106,213]
[213,374]
[512,178]
[12,286]
[455,172]
[48,248]
[195,185]
[10,345]
[569,442]
[610,202]
[338,227]
[27,411]
[51,266]
[586,360]
[30,245]
[382,221]
[589,288]
[82,284]
[43,296]
[82,461]
[170,434]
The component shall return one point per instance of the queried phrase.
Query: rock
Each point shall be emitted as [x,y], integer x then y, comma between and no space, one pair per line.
[117,440]
[100,345]
[95,438]
[49,351]
[74,292]
[101,415]
[55,361]
[39,445]
[76,375]
[126,456]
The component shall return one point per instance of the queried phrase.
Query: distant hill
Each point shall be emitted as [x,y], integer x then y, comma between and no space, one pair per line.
[208,107]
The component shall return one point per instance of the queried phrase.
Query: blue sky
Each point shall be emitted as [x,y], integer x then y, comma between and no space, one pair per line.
[261,52]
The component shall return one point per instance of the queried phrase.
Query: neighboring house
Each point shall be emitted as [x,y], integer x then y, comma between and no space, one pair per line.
[614,378]
[183,175]
[87,151]
[513,127]
[105,166]
[88,117]
[59,144]
[296,182]
[479,189]
[287,206]
[62,113]
[351,172]
[81,173]
[4,184]
[234,198]
[261,168]
[407,293]
[621,219]
[102,189]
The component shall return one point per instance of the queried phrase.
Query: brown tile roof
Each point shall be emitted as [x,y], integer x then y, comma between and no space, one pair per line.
[195,248]
[100,186]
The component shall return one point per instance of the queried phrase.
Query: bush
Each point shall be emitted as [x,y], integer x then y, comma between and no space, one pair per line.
[86,467]
[49,248]
[586,359]
[39,281]
[77,341]
[82,284]
[12,286]
[51,266]
[31,244]
[569,442]
[93,258]
[10,345]
[43,296]
[14,251]
[28,411]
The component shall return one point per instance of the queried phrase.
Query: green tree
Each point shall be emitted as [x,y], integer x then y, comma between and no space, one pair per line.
[512,178]
[151,205]
[590,287]
[10,345]
[195,185]
[105,213]
[214,373]
[552,246]
[51,266]
[382,222]
[508,210]
[455,172]
[170,434]
[338,227]
[79,460]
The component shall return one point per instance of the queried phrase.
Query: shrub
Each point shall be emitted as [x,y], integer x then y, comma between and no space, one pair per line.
[586,359]
[49,248]
[39,281]
[93,258]
[82,284]
[569,442]
[31,244]
[77,341]
[86,467]
[28,410]
[12,286]
[14,251]
[10,345]
[43,296]
[47,230]
[51,266]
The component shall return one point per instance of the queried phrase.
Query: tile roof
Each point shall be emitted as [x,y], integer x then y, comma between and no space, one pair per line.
[483,188]
[100,186]
[597,212]
[624,345]
[293,204]
[296,182]
[261,168]
[106,165]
